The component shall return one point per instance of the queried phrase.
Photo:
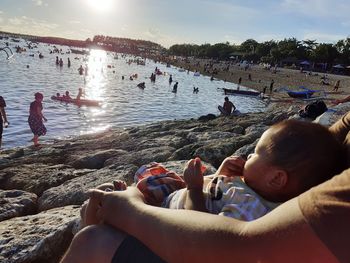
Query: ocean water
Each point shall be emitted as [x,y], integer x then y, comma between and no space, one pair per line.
[123,104]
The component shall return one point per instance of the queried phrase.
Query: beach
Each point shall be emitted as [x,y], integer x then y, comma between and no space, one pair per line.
[262,77]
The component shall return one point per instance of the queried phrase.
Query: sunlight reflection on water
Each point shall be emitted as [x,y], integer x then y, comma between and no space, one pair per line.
[123,104]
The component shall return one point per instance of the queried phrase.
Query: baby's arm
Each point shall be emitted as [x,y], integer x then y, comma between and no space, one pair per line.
[231,166]
[194,180]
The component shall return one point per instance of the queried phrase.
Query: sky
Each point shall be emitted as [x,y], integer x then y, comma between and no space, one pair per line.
[170,22]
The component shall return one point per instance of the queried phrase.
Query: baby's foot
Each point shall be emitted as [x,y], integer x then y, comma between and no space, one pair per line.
[119,185]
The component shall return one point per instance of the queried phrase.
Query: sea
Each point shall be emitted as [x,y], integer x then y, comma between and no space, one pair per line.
[123,104]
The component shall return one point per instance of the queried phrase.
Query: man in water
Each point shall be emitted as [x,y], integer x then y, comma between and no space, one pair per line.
[175,87]
[227,108]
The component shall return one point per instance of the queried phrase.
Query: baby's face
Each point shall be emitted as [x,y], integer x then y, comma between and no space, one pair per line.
[257,168]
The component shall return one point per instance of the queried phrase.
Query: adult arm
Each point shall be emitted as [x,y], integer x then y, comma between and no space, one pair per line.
[3,114]
[341,128]
[39,111]
[2,109]
[191,236]
[233,107]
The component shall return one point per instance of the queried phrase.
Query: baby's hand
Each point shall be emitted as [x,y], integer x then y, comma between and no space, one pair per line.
[193,175]
[232,166]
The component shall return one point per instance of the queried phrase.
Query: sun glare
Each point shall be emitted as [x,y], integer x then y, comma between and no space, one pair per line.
[100,5]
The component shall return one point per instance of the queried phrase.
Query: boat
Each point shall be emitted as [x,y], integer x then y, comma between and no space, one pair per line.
[241,92]
[81,102]
[305,94]
[80,52]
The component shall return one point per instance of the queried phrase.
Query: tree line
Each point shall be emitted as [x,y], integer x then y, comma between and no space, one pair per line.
[274,52]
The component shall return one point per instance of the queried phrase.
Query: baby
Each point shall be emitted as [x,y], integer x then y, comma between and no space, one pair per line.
[289,158]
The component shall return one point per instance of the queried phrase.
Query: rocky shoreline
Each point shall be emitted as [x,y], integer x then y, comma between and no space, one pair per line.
[41,190]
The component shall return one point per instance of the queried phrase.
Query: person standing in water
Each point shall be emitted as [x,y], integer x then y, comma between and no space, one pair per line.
[175,87]
[3,117]
[170,79]
[80,93]
[36,117]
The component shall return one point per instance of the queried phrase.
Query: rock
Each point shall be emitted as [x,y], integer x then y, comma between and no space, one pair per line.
[186,152]
[207,136]
[216,151]
[14,203]
[255,131]
[73,192]
[178,167]
[18,153]
[207,117]
[138,158]
[37,177]
[96,160]
[38,238]
[246,150]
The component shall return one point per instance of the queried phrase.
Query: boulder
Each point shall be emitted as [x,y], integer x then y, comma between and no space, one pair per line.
[74,192]
[95,160]
[38,238]
[37,177]
[14,203]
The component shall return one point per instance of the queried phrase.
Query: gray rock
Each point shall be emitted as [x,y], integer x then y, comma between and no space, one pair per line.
[138,158]
[178,167]
[36,177]
[208,136]
[15,203]
[37,238]
[18,153]
[95,160]
[74,192]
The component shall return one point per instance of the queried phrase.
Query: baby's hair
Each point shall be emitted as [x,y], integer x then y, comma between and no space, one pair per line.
[306,151]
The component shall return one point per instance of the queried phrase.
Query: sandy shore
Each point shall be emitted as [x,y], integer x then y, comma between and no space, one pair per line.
[261,77]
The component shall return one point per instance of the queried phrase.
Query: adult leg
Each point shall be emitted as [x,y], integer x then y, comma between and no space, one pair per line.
[92,244]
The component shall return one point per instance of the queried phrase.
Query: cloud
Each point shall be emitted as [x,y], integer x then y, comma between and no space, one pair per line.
[40,3]
[1,12]
[74,22]
[27,25]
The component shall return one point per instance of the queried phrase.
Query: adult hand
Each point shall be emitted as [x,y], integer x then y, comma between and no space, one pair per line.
[232,166]
[113,207]
[45,119]
[193,175]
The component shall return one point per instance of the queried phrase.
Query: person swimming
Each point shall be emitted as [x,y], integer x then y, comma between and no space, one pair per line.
[67,96]
[141,85]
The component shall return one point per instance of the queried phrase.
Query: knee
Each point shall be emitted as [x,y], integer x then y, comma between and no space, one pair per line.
[96,243]
[93,236]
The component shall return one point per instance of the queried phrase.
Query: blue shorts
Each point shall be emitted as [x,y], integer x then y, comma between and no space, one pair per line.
[132,250]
